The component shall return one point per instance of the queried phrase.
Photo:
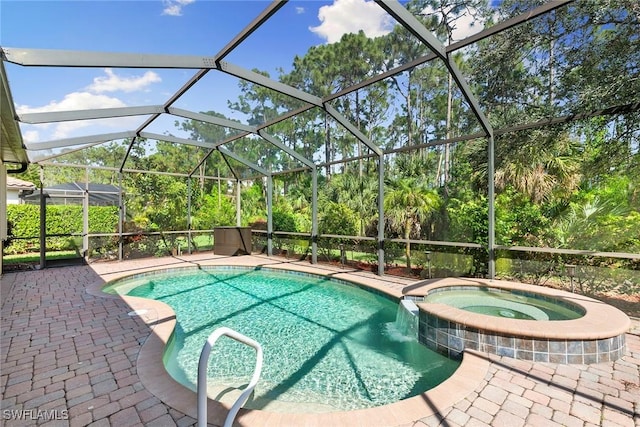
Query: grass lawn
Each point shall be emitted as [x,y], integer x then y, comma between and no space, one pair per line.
[35,257]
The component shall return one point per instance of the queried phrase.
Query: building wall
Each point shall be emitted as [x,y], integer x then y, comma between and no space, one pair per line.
[13,197]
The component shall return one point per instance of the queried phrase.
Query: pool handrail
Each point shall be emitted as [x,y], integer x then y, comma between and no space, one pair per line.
[202,374]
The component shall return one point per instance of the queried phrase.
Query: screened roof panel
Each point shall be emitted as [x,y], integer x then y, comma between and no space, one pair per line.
[198,67]
[214,166]
[301,132]
[100,154]
[238,169]
[212,93]
[73,133]
[279,36]
[258,151]
[163,156]
[537,69]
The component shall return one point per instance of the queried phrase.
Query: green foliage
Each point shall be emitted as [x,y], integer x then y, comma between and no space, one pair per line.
[24,220]
[335,218]
[468,220]
[338,218]
[254,206]
[603,217]
[158,202]
[61,219]
[569,185]
[214,211]
[284,219]
[358,193]
[409,203]
[519,221]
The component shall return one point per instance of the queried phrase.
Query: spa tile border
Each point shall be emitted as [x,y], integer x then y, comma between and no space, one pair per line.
[452,339]
[598,336]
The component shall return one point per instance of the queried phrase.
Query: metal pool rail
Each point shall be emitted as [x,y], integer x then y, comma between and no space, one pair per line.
[202,374]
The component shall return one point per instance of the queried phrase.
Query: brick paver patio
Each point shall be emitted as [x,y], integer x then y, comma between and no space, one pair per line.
[69,359]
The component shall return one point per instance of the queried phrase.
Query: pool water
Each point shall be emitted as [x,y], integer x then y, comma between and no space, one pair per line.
[505,304]
[326,344]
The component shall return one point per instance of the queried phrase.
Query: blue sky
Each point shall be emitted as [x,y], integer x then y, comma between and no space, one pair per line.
[181,27]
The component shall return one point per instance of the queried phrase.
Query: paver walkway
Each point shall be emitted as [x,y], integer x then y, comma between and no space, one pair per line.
[69,359]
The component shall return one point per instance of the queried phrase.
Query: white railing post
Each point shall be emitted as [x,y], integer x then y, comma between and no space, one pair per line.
[202,374]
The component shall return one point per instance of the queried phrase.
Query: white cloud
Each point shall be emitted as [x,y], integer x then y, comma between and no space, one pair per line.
[299,10]
[351,16]
[174,7]
[31,136]
[92,97]
[113,82]
[74,101]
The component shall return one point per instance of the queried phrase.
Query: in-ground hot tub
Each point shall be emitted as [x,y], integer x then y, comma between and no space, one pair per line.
[517,320]
[510,304]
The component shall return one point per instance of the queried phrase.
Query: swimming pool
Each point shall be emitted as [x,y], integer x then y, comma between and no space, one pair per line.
[326,342]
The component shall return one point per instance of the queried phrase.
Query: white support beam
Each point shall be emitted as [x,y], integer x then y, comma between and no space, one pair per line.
[314,216]
[176,140]
[85,216]
[99,113]
[259,79]
[269,215]
[81,140]
[491,196]
[53,156]
[273,140]
[73,58]
[207,118]
[381,247]
[121,217]
[247,163]
[238,204]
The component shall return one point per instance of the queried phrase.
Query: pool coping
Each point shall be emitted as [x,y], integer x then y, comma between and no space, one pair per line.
[153,375]
[599,322]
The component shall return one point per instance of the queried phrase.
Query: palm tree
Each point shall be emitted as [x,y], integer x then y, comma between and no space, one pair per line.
[539,165]
[408,203]
[584,226]
[362,193]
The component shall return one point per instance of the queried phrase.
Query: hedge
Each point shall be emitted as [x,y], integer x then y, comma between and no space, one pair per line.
[24,222]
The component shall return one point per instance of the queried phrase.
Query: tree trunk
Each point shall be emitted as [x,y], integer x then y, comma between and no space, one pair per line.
[360,171]
[409,113]
[407,249]
[327,146]
[447,147]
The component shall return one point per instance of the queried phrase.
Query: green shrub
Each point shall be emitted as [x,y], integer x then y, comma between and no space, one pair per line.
[24,222]
[284,220]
